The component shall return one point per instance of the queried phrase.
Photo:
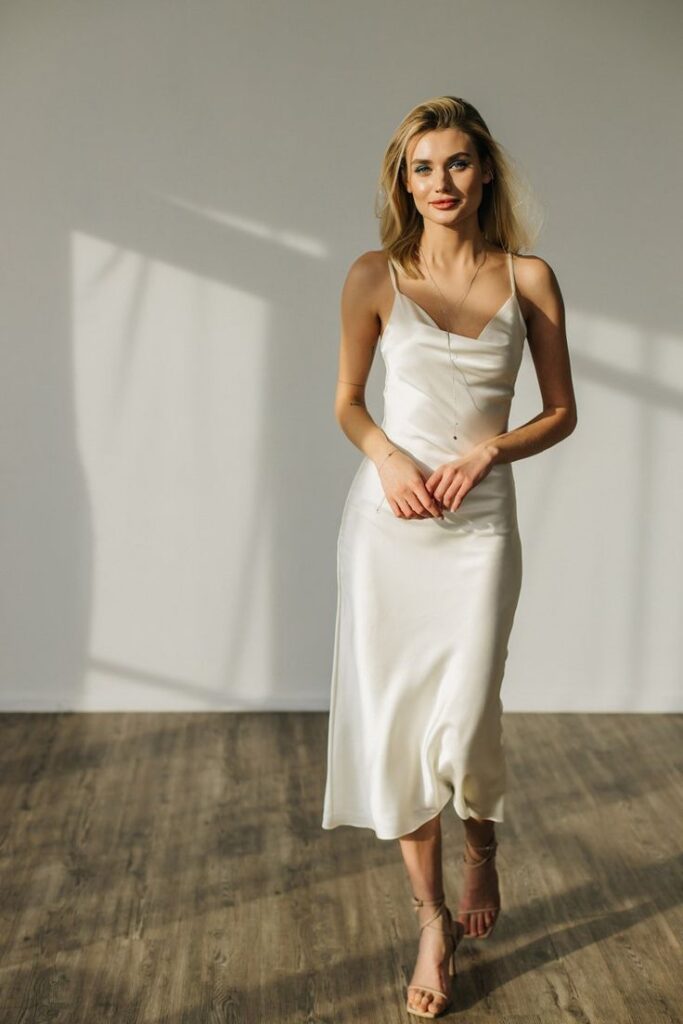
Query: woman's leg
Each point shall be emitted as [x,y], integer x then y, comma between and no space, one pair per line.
[422,857]
[480,887]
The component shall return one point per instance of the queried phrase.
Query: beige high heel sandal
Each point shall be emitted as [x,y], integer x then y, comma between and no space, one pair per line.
[490,854]
[450,927]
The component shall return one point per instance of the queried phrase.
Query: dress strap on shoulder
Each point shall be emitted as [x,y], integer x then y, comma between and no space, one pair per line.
[512,274]
[392,273]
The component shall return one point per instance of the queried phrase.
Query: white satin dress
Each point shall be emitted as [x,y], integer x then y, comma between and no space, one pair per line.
[425,606]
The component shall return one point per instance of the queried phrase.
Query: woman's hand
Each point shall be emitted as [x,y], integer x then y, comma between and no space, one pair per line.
[404,487]
[450,482]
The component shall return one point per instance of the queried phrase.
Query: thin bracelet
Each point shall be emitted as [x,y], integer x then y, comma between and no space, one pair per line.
[386,457]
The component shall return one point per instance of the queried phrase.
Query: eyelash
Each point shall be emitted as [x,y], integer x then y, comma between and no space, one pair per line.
[465,163]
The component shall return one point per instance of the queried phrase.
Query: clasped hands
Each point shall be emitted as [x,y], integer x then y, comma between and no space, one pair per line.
[411,496]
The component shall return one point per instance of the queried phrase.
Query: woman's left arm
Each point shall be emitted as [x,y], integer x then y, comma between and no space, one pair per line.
[543,309]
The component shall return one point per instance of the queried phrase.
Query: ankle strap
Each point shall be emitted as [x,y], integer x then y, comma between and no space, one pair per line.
[439,903]
[420,903]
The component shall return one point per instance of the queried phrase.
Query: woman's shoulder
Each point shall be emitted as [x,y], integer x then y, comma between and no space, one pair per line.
[367,283]
[370,262]
[369,271]
[533,273]
[536,283]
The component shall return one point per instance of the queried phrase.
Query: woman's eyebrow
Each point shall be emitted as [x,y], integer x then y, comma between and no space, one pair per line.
[461,152]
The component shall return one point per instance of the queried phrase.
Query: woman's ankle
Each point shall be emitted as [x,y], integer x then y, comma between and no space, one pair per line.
[480,832]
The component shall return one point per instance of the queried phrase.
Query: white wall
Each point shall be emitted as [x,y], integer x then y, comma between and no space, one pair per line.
[184,187]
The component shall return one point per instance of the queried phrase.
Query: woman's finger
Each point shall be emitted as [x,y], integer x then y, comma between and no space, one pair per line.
[463,490]
[452,492]
[448,488]
[430,504]
[416,505]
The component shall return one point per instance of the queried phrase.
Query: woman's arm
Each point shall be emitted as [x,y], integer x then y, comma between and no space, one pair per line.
[360,330]
[548,344]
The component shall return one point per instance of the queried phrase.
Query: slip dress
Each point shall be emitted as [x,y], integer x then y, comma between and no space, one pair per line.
[425,607]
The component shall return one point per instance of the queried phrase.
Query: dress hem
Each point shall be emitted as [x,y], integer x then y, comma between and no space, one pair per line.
[332,821]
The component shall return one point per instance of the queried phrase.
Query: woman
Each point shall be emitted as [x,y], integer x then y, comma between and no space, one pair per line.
[429,554]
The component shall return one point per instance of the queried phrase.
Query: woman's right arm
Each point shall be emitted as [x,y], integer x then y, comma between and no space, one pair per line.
[360,330]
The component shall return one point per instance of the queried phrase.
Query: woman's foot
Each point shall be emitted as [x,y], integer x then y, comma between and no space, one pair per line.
[481,889]
[432,964]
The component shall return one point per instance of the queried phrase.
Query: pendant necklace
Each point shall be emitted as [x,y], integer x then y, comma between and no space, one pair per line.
[448,333]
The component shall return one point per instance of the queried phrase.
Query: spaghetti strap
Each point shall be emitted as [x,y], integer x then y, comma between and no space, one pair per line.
[392,274]
[512,274]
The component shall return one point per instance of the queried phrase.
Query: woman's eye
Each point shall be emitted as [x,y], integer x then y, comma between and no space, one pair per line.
[456,163]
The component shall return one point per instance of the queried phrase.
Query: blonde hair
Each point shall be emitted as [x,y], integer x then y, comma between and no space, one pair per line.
[499,218]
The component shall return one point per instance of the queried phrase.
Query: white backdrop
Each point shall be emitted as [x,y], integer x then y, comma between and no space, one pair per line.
[184,188]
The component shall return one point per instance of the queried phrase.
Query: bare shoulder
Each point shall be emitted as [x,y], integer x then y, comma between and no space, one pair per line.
[370,269]
[533,274]
[537,285]
[366,280]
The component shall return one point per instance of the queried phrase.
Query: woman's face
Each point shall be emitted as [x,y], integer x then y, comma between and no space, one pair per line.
[444,165]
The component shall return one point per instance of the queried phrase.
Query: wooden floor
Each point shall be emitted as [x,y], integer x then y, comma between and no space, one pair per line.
[172,868]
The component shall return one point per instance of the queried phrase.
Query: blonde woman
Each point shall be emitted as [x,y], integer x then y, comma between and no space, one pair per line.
[429,556]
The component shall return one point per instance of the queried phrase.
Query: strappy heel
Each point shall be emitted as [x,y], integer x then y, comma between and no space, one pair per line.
[490,851]
[455,931]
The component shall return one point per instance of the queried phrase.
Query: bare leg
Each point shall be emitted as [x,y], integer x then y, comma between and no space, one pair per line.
[422,857]
[480,883]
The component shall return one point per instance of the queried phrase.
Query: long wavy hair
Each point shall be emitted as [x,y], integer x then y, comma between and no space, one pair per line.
[500,218]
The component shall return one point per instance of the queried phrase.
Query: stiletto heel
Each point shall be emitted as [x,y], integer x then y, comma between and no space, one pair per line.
[455,931]
[495,909]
